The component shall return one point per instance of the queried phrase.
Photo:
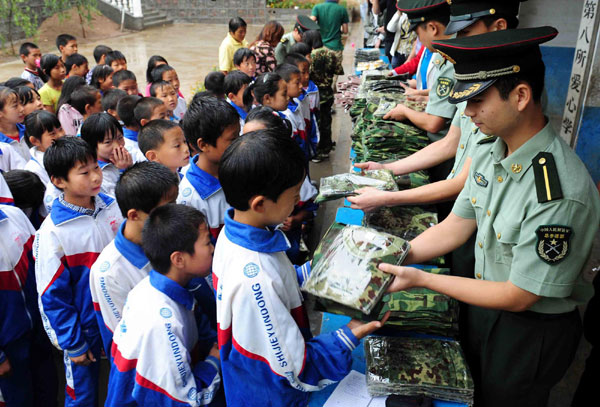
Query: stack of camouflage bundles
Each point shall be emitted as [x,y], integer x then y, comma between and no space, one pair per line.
[343,185]
[345,266]
[367,54]
[416,310]
[412,367]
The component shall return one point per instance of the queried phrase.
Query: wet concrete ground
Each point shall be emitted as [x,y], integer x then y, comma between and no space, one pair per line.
[193,50]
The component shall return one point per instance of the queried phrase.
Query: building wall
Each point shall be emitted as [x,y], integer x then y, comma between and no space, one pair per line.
[212,11]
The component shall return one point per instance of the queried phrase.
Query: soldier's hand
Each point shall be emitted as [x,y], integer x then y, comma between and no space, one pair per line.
[361,329]
[405,277]
[368,199]
[412,83]
[396,113]
[369,165]
[84,360]
[418,98]
[5,368]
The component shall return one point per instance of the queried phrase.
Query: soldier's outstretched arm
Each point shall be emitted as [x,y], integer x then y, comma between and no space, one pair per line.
[482,293]
[430,156]
[422,120]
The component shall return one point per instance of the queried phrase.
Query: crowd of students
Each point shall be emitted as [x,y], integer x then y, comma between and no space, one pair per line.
[111,201]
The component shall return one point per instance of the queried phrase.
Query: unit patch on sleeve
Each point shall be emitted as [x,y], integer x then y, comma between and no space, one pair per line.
[444,86]
[553,243]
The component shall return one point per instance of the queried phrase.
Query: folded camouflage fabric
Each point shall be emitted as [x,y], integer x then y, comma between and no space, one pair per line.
[345,265]
[367,54]
[412,180]
[343,185]
[411,367]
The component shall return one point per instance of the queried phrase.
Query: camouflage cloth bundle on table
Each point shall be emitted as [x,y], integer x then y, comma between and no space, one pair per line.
[384,139]
[411,367]
[416,310]
[343,185]
[366,55]
[345,265]
[413,180]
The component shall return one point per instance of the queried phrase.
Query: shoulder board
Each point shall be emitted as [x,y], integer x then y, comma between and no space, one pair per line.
[547,183]
[486,140]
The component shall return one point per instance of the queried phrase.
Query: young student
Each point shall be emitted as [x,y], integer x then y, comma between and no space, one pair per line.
[309,98]
[244,61]
[69,117]
[82,222]
[116,60]
[29,99]
[168,74]
[148,109]
[301,48]
[104,133]
[126,80]
[76,65]
[110,100]
[87,101]
[213,83]
[270,90]
[122,264]
[153,62]
[158,323]
[255,280]
[31,56]
[303,23]
[294,112]
[131,127]
[42,128]
[12,130]
[100,52]
[166,93]
[102,78]
[211,124]
[53,67]
[324,66]
[67,46]
[234,40]
[28,372]
[235,86]
[163,141]
[296,225]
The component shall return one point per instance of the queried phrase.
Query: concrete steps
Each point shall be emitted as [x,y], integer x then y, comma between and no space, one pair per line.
[154,18]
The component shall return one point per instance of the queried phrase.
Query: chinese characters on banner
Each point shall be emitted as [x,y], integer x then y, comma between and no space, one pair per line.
[581,63]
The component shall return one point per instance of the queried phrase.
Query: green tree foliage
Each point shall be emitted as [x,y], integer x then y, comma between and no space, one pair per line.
[85,10]
[17,15]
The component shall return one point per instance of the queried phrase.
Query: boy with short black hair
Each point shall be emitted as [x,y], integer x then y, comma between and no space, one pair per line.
[213,83]
[81,223]
[76,65]
[131,127]
[235,85]
[255,280]
[158,329]
[244,60]
[116,60]
[166,92]
[148,109]
[163,141]
[234,40]
[111,99]
[87,100]
[294,112]
[126,80]
[67,45]
[122,264]
[211,124]
[100,52]
[31,55]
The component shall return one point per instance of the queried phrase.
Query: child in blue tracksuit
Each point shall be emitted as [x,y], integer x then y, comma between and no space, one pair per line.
[81,223]
[158,357]
[267,354]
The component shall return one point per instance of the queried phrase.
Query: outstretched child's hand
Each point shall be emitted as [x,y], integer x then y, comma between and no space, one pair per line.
[361,329]
[5,368]
[214,352]
[84,360]
[121,158]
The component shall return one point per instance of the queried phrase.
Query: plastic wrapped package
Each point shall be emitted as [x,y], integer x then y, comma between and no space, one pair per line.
[343,185]
[411,367]
[345,265]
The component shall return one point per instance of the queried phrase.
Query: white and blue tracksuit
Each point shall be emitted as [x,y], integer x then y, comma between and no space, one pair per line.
[266,354]
[20,146]
[18,305]
[155,350]
[202,191]
[131,145]
[110,176]
[65,247]
[120,267]
[6,197]
[241,112]
[36,165]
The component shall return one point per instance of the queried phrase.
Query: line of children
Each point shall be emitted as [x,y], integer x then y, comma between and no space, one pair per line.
[234,86]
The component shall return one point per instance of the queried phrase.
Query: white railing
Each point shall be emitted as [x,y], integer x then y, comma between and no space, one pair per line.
[133,7]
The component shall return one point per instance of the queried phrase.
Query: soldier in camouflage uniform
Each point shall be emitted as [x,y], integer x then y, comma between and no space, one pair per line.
[324,65]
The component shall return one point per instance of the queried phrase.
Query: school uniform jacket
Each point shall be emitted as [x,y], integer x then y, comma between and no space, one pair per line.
[36,165]
[266,354]
[241,112]
[312,129]
[18,298]
[131,145]
[294,114]
[120,267]
[154,355]
[10,158]
[202,191]
[50,196]
[110,176]
[20,146]
[6,197]
[65,247]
